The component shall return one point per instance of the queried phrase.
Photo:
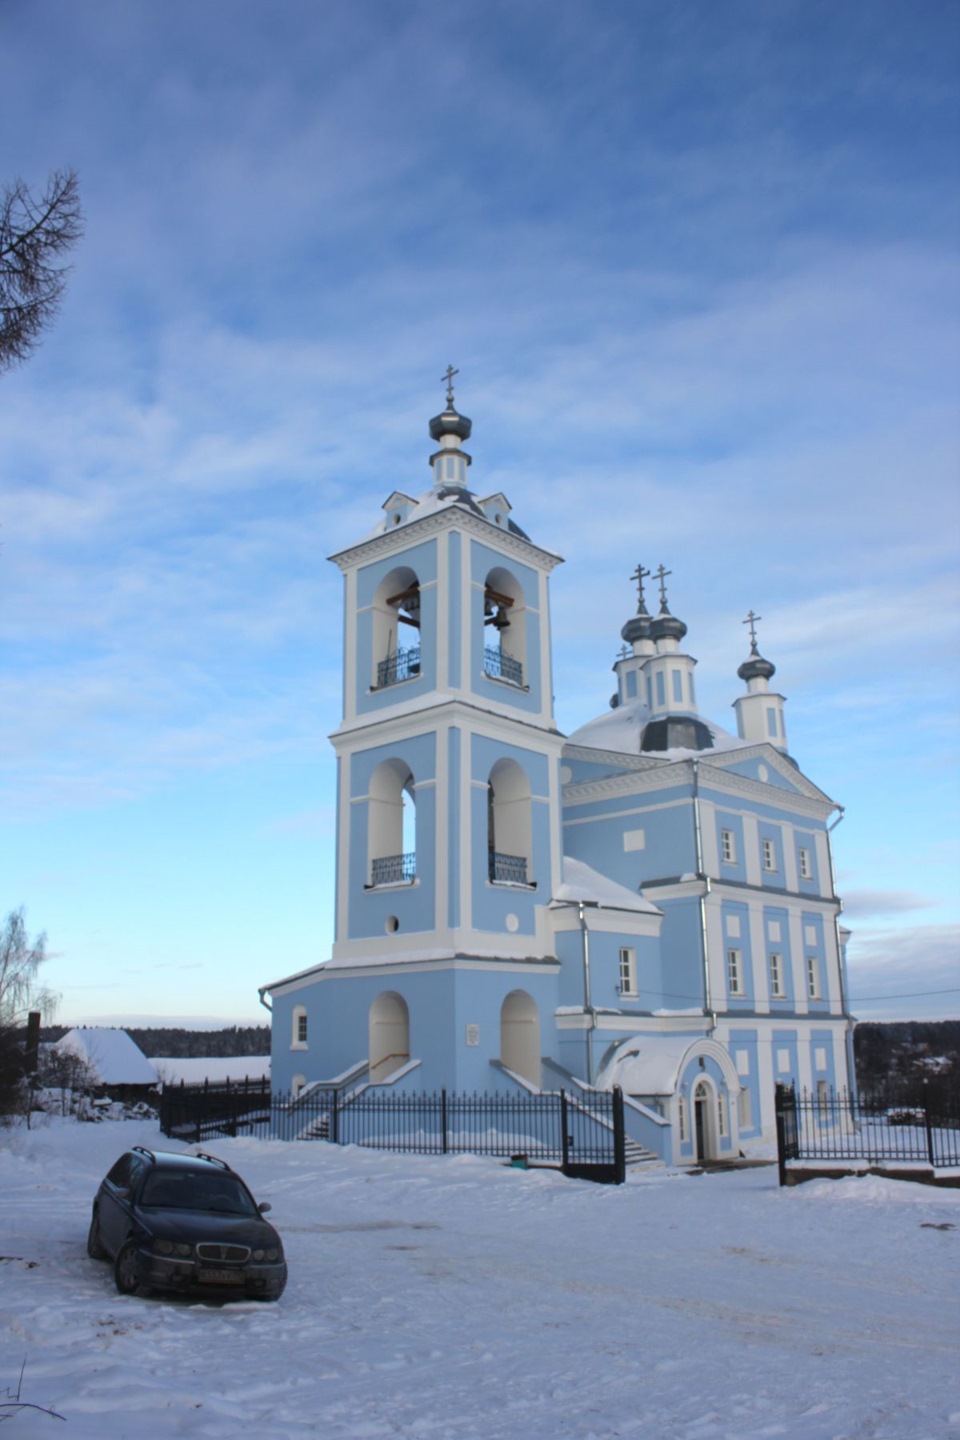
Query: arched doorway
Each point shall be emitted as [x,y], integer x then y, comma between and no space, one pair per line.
[389,1035]
[520,1035]
[704,1127]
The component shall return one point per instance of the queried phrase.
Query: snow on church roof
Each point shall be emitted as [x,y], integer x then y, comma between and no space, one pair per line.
[582,882]
[646,1065]
[116,1058]
[621,729]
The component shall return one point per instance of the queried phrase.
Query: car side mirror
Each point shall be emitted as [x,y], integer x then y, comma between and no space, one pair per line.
[264,1206]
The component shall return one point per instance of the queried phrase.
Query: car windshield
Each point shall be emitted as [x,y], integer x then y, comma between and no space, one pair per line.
[187,1190]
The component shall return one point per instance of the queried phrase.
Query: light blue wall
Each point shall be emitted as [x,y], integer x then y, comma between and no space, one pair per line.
[681,948]
[605,970]
[413,905]
[454,762]
[805,839]
[785,1040]
[741,942]
[782,947]
[751,767]
[746,1042]
[593,832]
[823,1039]
[696,1067]
[773,878]
[818,948]
[441,1003]
[737,868]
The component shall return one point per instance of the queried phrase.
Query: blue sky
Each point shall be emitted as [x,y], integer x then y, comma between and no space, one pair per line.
[698,266]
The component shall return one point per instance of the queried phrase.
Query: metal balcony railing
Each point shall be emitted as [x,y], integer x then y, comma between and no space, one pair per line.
[404,665]
[502,667]
[508,869]
[394,869]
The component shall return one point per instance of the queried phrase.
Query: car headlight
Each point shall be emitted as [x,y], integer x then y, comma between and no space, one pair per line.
[272,1254]
[172,1247]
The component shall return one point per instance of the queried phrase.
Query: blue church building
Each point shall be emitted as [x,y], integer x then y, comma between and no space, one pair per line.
[648,903]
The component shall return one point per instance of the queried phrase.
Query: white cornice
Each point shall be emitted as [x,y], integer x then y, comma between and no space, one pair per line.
[439,708]
[453,517]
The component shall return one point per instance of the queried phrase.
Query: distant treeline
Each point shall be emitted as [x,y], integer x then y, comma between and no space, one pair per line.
[915,1062]
[176,1042]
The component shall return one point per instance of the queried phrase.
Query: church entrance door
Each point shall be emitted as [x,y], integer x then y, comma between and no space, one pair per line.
[702,1113]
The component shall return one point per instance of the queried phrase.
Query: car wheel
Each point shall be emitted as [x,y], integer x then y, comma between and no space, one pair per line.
[126,1270]
[94,1244]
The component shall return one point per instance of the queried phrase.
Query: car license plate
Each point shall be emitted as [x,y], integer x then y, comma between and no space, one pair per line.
[220,1277]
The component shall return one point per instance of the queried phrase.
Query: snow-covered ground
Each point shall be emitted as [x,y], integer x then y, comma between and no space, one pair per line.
[435,1298]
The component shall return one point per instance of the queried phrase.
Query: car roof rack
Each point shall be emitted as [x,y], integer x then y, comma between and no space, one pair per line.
[214,1159]
[142,1150]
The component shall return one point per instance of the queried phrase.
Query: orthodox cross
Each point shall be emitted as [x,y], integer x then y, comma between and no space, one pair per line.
[640,575]
[448,377]
[625,651]
[661,575]
[751,620]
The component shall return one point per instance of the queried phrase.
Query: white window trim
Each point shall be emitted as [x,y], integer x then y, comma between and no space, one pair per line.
[735,972]
[777,990]
[804,863]
[769,855]
[628,970]
[813,977]
[728,847]
[299,1014]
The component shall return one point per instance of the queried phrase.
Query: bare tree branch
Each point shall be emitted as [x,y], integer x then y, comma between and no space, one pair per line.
[19,962]
[34,235]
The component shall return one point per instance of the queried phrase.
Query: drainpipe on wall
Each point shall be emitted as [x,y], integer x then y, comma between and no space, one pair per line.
[261,992]
[587,1000]
[698,839]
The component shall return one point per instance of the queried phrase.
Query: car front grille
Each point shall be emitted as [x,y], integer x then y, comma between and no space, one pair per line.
[224,1254]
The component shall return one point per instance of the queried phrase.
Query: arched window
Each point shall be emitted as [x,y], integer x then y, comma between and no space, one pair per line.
[298,1032]
[509,830]
[396,628]
[389,1035]
[505,628]
[520,1035]
[392,825]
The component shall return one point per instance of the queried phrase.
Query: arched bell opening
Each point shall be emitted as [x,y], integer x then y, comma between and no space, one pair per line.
[509,825]
[392,825]
[396,628]
[505,627]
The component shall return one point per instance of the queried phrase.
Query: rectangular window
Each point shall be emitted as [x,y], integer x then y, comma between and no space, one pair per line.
[776,977]
[769,855]
[661,692]
[682,1117]
[301,1029]
[721,1115]
[676,680]
[628,971]
[734,972]
[771,720]
[806,868]
[823,1092]
[813,977]
[728,847]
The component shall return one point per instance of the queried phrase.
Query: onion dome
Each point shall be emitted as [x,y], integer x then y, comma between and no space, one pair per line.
[450,423]
[637,627]
[667,625]
[756,668]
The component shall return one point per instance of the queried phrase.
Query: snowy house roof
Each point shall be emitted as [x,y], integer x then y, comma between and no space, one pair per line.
[582,882]
[116,1059]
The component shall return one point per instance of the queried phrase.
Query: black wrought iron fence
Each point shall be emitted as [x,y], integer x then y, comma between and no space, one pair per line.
[834,1126]
[555,1128]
